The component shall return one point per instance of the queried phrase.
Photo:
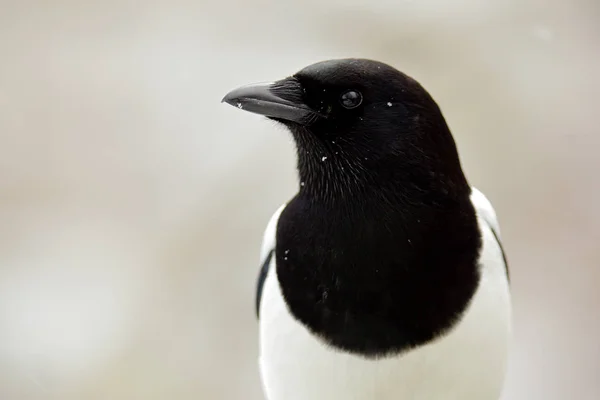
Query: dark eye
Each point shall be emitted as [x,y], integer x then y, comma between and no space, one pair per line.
[351,99]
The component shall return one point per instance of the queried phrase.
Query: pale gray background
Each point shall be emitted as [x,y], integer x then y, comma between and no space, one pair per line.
[132,202]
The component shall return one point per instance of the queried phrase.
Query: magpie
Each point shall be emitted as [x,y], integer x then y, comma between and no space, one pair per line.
[384,277]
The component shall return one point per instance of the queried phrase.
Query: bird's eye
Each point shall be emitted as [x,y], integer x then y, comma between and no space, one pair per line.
[351,99]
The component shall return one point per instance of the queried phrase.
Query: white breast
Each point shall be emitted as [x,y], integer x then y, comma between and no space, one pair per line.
[468,363]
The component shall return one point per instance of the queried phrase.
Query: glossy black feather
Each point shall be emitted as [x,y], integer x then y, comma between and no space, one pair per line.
[378,252]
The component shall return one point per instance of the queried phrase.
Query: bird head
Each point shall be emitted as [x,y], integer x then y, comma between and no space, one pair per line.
[359,124]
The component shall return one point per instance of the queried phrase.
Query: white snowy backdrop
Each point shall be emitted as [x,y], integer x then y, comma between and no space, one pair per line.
[132,202]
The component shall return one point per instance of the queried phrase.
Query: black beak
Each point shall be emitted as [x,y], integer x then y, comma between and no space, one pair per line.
[281,100]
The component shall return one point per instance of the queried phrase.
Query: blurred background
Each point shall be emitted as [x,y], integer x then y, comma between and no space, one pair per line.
[132,202]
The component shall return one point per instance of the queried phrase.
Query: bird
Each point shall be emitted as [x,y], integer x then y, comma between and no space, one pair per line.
[384,276]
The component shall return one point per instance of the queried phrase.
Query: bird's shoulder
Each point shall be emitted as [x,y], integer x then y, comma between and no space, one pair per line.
[266,253]
[485,210]
[268,242]
[487,214]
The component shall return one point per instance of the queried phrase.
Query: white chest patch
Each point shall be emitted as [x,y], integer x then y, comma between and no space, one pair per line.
[468,363]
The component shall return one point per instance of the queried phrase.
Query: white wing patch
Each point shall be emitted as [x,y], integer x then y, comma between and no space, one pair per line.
[485,210]
[268,242]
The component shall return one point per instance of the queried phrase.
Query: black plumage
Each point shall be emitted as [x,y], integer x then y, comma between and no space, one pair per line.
[378,251]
